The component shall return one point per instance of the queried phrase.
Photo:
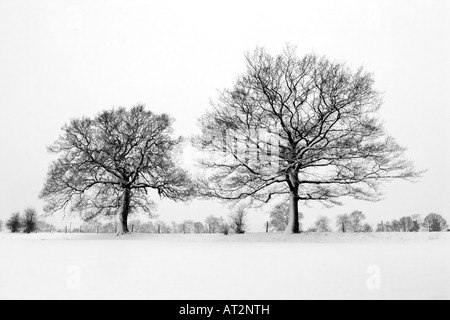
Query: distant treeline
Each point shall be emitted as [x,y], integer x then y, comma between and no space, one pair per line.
[355,223]
[236,222]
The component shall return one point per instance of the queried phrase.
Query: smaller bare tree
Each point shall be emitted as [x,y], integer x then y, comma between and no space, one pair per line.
[213,224]
[416,227]
[199,228]
[279,217]
[188,226]
[436,223]
[238,220]
[356,219]
[418,223]
[163,227]
[1,225]
[224,227]
[406,224]
[115,164]
[14,223]
[343,223]
[30,220]
[323,224]
[367,228]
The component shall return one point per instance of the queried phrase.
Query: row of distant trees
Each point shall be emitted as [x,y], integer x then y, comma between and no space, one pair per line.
[433,223]
[237,223]
[279,218]
[356,223]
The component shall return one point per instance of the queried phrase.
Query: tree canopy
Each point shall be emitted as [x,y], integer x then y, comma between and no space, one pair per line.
[307,127]
[108,164]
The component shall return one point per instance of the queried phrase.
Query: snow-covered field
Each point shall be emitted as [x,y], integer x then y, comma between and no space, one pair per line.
[253,266]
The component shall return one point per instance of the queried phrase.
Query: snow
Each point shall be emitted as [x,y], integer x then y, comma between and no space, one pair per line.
[252,266]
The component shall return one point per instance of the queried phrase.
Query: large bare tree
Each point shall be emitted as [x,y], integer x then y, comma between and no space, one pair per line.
[307,127]
[108,165]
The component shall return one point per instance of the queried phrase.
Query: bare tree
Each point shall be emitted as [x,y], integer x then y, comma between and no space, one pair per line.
[396,226]
[343,223]
[185,227]
[199,227]
[323,224]
[174,227]
[391,226]
[356,221]
[108,165]
[436,223]
[30,220]
[213,224]
[406,224]
[381,227]
[367,228]
[279,217]
[224,226]
[14,223]
[306,127]
[415,227]
[418,223]
[238,220]
[1,225]
[164,227]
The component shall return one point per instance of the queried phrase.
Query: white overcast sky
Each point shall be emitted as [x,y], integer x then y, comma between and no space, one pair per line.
[62,59]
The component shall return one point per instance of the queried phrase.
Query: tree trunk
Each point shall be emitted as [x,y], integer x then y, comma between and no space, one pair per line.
[122,227]
[294,224]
